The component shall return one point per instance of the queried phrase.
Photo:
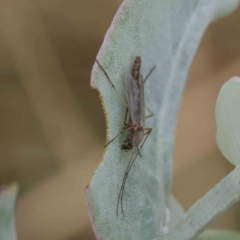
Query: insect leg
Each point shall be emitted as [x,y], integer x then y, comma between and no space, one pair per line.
[149,74]
[120,195]
[123,131]
[151,113]
[131,135]
[132,160]
[147,133]
[125,118]
[139,151]
[110,81]
[132,151]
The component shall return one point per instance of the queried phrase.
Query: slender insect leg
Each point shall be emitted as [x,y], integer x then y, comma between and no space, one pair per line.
[149,74]
[123,131]
[139,151]
[131,135]
[120,195]
[125,118]
[147,133]
[151,113]
[124,181]
[132,151]
[110,81]
[132,160]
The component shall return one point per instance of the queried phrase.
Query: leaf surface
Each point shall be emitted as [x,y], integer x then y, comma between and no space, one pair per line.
[219,235]
[165,34]
[7,212]
[228,119]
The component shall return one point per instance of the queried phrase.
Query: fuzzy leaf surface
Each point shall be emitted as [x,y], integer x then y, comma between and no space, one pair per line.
[227,119]
[165,34]
[7,212]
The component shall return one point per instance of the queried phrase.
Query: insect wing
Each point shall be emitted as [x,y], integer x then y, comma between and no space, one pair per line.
[141,116]
[135,98]
[127,78]
[128,88]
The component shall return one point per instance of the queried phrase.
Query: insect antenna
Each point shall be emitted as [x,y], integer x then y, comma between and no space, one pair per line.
[120,195]
[113,86]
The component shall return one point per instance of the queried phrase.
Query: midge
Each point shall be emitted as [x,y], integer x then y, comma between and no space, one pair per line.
[134,128]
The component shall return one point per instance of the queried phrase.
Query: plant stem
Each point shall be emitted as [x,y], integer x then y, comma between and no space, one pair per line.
[216,201]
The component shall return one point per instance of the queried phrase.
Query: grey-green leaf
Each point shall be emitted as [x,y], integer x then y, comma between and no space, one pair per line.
[165,34]
[216,201]
[213,235]
[8,196]
[227,119]
[219,235]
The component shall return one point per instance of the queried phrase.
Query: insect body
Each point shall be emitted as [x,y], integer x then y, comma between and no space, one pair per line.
[134,128]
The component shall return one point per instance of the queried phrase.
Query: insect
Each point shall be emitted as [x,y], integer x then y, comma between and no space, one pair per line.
[134,128]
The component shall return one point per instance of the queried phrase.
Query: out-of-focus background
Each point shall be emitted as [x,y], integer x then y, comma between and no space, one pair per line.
[52,128]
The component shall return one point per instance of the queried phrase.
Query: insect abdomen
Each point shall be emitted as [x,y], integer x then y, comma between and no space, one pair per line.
[136,68]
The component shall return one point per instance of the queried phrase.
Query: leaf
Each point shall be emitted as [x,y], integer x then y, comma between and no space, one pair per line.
[7,212]
[219,235]
[228,119]
[216,201]
[165,34]
[214,235]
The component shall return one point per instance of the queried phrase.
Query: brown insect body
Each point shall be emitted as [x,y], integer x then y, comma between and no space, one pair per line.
[135,130]
[134,89]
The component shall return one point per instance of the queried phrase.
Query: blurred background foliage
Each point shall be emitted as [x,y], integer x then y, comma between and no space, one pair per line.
[52,127]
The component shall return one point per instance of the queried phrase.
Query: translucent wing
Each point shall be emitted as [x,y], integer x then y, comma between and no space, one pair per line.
[135,96]
[128,84]
[141,117]
[127,78]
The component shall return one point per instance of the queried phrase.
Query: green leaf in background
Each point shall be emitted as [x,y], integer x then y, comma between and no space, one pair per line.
[228,120]
[214,235]
[165,34]
[219,235]
[216,201]
[8,196]
[227,192]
